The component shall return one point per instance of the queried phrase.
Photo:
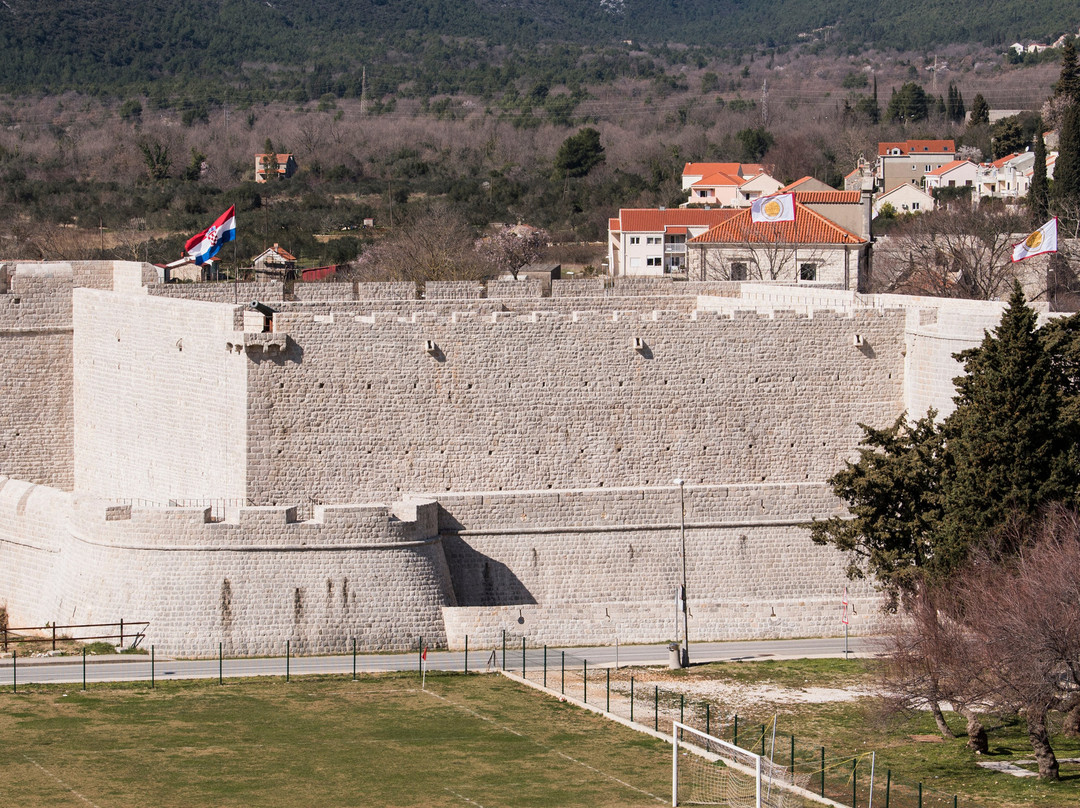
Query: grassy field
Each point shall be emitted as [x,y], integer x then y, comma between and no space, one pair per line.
[380,741]
[907,744]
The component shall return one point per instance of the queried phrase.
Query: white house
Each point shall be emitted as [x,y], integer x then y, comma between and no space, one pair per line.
[652,241]
[727,184]
[957,174]
[810,249]
[905,199]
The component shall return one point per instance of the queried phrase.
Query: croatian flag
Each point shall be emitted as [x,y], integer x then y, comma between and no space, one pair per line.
[206,244]
[779,208]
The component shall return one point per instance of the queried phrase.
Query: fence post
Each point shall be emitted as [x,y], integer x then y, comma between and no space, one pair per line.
[608,706]
[854,785]
[763,740]
[562,685]
[707,718]
[466,654]
[84,668]
[585,681]
[682,704]
[354,659]
[153,679]
[121,632]
[504,649]
[823,771]
[793,756]
[287,660]
[920,795]
[545,666]
[888,786]
[735,732]
[656,707]
[220,663]
[54,635]
[15,671]
[631,699]
[522,657]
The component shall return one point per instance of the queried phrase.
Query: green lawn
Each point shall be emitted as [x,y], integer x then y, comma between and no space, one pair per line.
[380,741]
[907,744]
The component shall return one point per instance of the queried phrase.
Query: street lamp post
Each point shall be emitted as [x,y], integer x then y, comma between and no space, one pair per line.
[685,604]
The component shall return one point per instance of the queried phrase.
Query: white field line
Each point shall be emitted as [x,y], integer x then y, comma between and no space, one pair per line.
[584,765]
[61,782]
[463,797]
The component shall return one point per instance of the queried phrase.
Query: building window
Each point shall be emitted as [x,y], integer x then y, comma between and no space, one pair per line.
[952,183]
[739,271]
[807,272]
[703,194]
[635,239]
[654,262]
[914,206]
[675,261]
[652,239]
[929,167]
[967,183]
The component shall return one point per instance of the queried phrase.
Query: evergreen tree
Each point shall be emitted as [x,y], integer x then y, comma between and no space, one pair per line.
[980,110]
[1039,192]
[579,154]
[1006,451]
[954,107]
[1067,166]
[908,104]
[1068,83]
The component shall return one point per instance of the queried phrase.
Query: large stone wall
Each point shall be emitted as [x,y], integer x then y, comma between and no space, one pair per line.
[160,399]
[527,563]
[369,573]
[36,420]
[359,408]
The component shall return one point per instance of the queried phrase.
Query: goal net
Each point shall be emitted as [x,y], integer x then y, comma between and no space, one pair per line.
[710,771]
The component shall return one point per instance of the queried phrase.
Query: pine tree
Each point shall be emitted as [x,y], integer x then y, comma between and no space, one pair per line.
[1006,450]
[980,110]
[1039,192]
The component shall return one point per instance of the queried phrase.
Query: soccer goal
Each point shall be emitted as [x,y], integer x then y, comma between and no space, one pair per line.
[709,771]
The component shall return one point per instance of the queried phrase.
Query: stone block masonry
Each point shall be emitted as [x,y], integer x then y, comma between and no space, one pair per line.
[528,444]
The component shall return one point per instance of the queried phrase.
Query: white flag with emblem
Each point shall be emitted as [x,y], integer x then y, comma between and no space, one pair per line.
[779,208]
[1043,240]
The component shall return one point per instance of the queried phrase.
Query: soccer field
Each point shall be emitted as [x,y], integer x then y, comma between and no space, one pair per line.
[380,741]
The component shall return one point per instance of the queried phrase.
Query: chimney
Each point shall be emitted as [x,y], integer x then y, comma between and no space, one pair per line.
[867,201]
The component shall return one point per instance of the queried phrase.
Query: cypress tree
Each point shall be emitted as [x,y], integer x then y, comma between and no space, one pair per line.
[1006,448]
[1068,83]
[1067,167]
[980,110]
[1039,192]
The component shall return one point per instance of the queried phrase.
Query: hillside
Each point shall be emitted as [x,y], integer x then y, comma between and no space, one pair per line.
[264,47]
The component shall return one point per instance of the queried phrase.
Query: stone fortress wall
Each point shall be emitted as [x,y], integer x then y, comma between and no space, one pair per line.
[203,474]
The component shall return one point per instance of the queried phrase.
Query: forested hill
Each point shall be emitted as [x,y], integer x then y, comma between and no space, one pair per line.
[105,45]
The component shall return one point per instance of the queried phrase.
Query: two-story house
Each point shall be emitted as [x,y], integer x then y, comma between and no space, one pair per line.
[908,161]
[652,241]
[285,166]
[730,185]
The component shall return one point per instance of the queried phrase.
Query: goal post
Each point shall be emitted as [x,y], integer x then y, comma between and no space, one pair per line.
[707,770]
[726,783]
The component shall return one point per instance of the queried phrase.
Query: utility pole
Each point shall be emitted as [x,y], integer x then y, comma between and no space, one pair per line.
[685,601]
[764,102]
[363,89]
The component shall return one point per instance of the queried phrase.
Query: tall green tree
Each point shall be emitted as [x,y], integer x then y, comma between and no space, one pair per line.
[579,154]
[893,493]
[980,111]
[1068,83]
[1067,166]
[908,104]
[1007,451]
[1039,191]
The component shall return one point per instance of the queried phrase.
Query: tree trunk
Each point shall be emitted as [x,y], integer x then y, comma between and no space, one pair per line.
[1040,743]
[976,732]
[939,717]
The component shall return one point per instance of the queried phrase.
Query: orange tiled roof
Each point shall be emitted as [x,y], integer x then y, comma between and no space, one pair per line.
[613,225]
[909,147]
[675,230]
[1002,161]
[654,220]
[835,197]
[945,169]
[791,186]
[744,170]
[719,178]
[809,227]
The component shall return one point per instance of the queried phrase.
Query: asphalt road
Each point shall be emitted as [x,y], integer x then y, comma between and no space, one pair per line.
[138,667]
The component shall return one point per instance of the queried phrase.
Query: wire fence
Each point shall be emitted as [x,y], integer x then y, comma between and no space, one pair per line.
[632,693]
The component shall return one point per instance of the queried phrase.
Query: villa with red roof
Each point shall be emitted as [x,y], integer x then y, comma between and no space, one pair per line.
[908,161]
[810,249]
[652,241]
[732,185]
[957,174]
